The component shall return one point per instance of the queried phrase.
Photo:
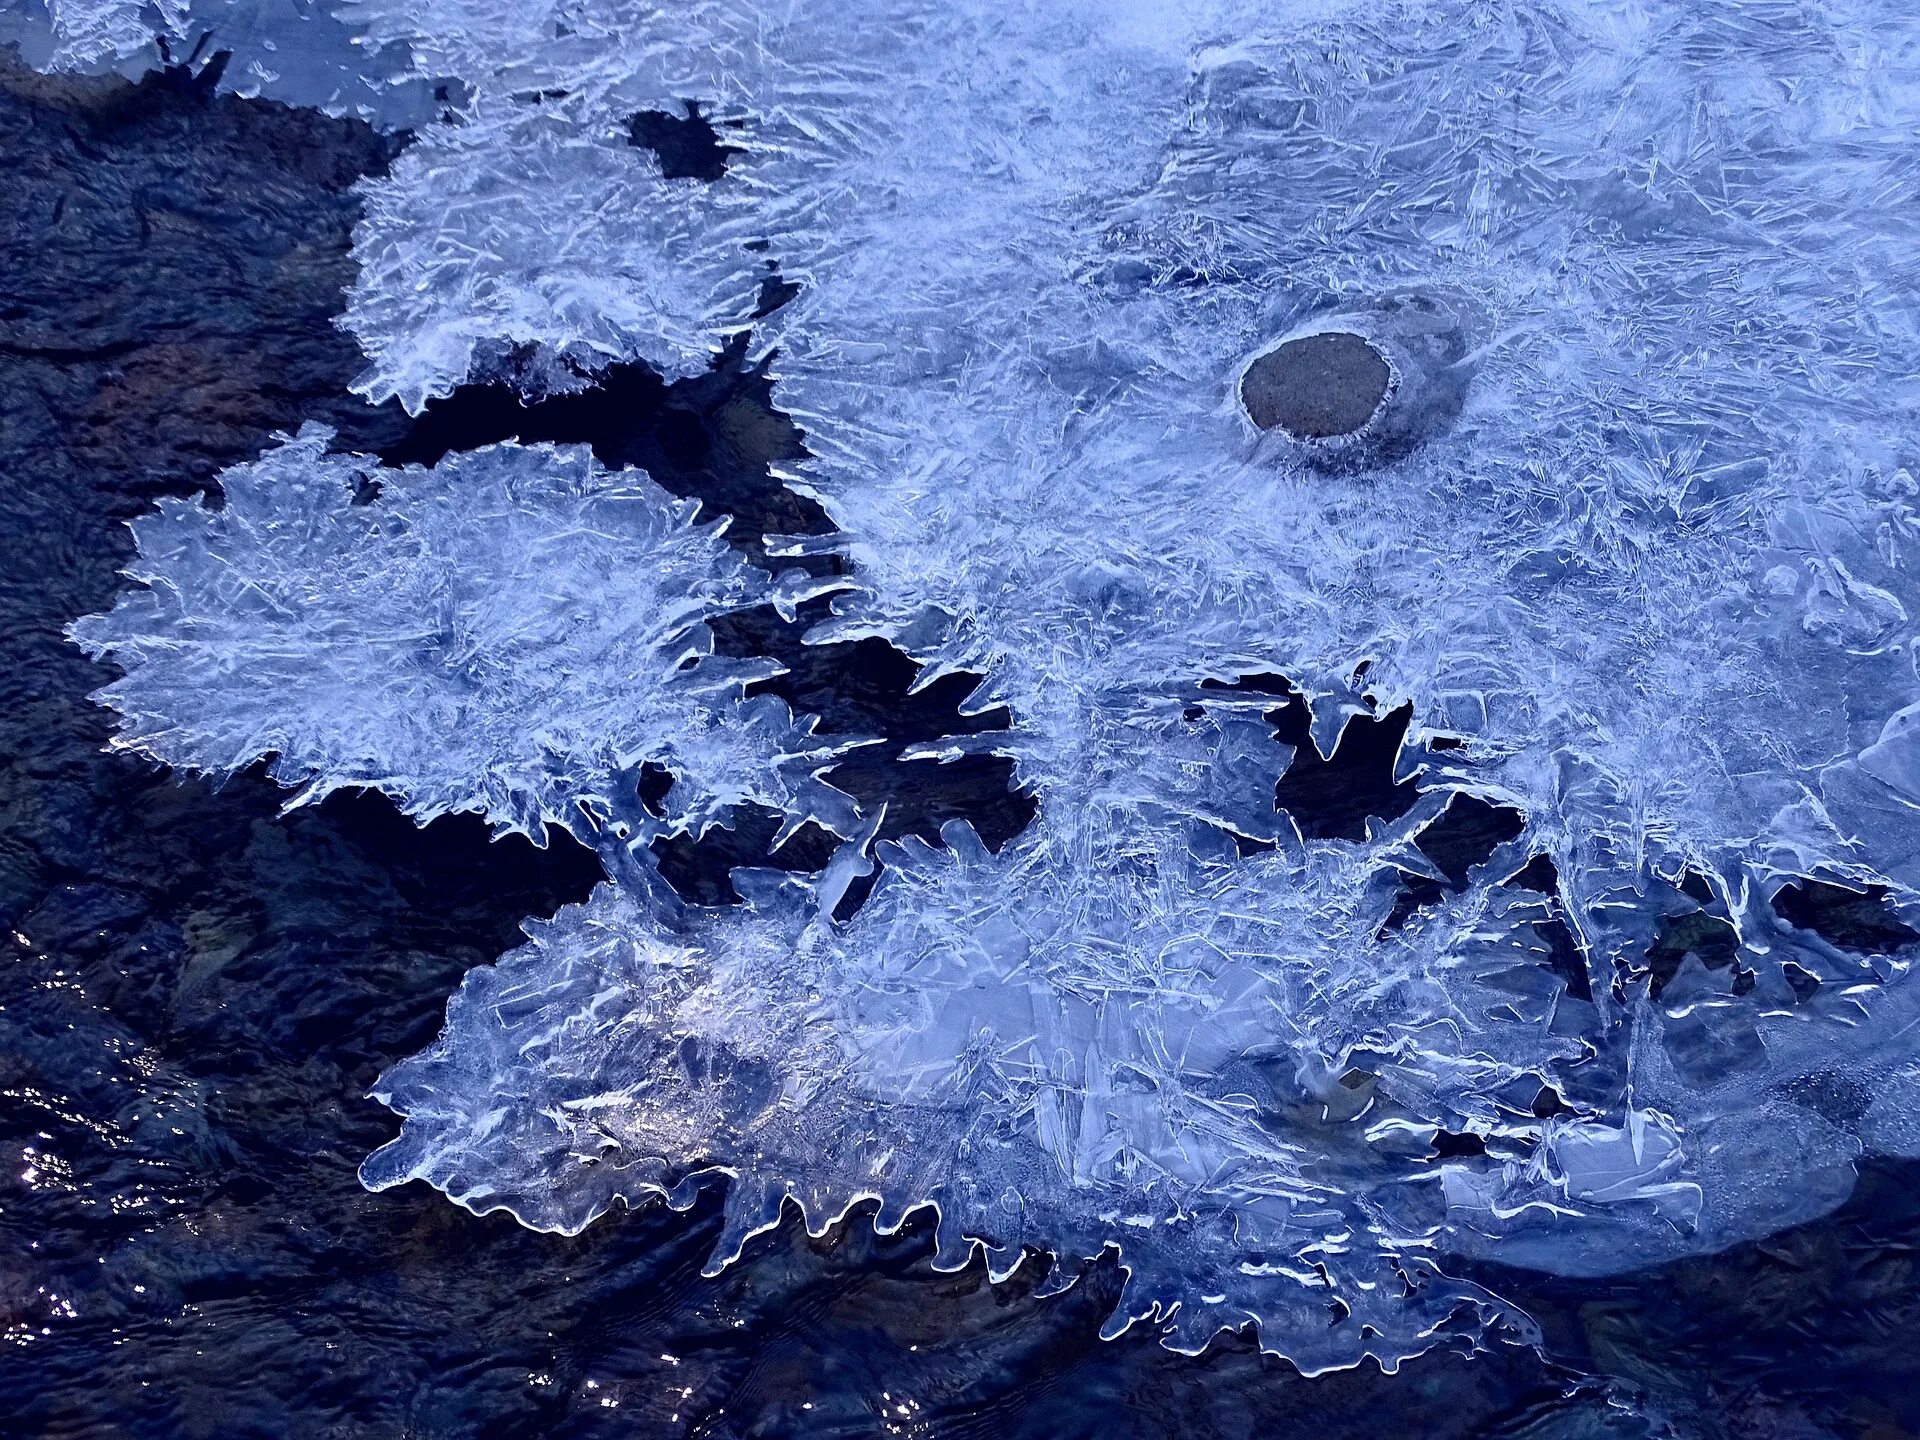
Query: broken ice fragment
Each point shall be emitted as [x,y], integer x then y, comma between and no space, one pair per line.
[1611,1164]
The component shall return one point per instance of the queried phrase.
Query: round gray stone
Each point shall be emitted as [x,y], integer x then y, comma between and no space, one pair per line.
[1316,387]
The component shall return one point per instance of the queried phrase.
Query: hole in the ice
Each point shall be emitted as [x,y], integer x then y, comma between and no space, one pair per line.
[1333,797]
[865,687]
[687,146]
[1563,952]
[1453,1145]
[1695,887]
[1563,955]
[775,291]
[1549,1102]
[1845,918]
[1330,797]
[923,795]
[1460,838]
[1709,939]
[1317,387]
[700,867]
[653,787]
[1802,981]
[920,796]
[858,687]
[855,895]
[1466,833]
[1416,893]
[1539,874]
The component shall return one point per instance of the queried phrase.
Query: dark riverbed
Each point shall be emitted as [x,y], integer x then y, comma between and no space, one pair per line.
[197,991]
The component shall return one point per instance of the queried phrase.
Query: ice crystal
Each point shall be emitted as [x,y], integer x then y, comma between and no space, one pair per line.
[1626,541]
[506,633]
[89,35]
[527,231]
[291,50]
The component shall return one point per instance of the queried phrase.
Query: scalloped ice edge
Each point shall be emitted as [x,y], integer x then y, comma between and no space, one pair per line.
[750,1210]
[533,820]
[743,1221]
[719,264]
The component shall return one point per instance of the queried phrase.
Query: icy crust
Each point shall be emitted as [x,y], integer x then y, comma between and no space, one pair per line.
[1667,506]
[504,633]
[647,268]
[616,1058]
[298,52]
[1139,1034]
[1656,565]
[1653,567]
[520,229]
[1645,548]
[89,36]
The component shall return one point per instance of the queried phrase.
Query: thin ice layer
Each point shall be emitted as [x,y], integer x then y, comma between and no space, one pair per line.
[1209,1057]
[298,52]
[94,35]
[518,229]
[1643,548]
[504,633]
[1037,247]
[612,1054]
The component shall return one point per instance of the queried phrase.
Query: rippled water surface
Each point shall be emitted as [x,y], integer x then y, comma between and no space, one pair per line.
[198,990]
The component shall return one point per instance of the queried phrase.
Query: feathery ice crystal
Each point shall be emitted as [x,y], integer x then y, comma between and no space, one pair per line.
[1610,969]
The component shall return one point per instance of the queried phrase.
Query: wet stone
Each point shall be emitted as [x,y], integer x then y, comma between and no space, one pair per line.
[1317,387]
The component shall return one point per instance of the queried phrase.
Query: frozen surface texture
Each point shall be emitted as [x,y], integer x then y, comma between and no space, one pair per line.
[506,633]
[90,32]
[526,230]
[1628,550]
[297,51]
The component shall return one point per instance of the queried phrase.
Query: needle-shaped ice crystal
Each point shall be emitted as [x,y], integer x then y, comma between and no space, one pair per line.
[504,633]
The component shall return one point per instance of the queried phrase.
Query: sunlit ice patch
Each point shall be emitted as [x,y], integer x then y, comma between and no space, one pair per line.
[1434,490]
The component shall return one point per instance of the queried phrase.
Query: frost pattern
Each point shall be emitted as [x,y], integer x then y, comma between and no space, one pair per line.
[620,1043]
[523,230]
[504,633]
[90,35]
[1655,572]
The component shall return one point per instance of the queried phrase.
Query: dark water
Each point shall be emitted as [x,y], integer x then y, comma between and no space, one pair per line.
[196,993]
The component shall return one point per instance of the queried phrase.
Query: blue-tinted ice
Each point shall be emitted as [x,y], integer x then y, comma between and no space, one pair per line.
[1636,522]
